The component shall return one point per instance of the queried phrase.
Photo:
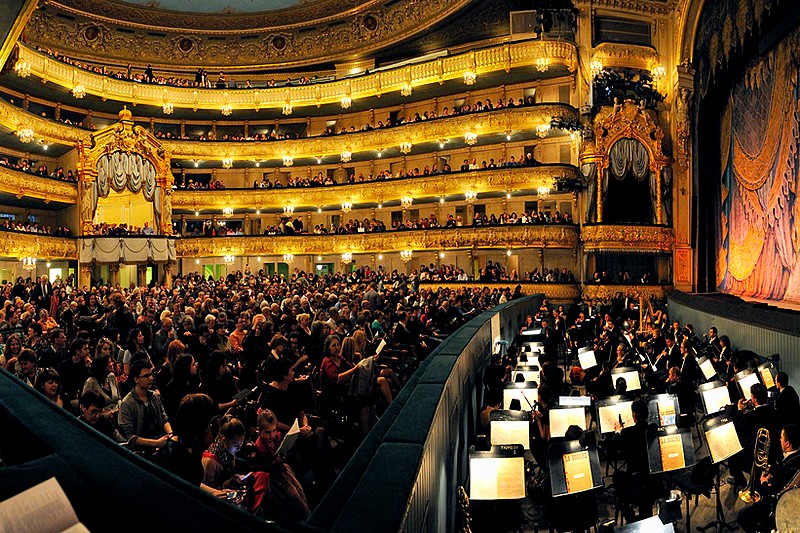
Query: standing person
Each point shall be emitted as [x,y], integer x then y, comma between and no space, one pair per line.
[40,295]
[142,417]
[787,404]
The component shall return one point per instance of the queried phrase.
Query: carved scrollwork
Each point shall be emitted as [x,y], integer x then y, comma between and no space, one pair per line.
[22,184]
[550,236]
[607,292]
[503,179]
[555,292]
[17,245]
[627,238]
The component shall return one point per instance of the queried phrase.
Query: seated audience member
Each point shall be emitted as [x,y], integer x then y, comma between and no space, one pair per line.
[75,370]
[218,382]
[185,380]
[92,405]
[103,381]
[49,383]
[219,460]
[142,417]
[28,372]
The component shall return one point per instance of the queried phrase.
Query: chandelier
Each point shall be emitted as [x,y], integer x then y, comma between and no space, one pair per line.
[288,210]
[228,259]
[25,135]
[346,156]
[405,89]
[543,64]
[79,91]
[346,207]
[227,109]
[287,108]
[470,77]
[288,161]
[29,263]
[23,69]
[470,196]
[227,162]
[405,255]
[405,147]
[168,108]
[471,138]
[542,130]
[659,72]
[347,258]
[544,192]
[596,66]
[406,201]
[227,211]
[346,102]
[288,258]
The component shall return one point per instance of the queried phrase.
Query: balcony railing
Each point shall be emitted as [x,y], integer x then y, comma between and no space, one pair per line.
[22,184]
[627,238]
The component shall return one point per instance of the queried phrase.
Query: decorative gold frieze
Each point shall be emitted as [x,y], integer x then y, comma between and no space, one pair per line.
[18,245]
[492,59]
[494,122]
[607,292]
[625,56]
[16,118]
[643,7]
[624,238]
[498,237]
[22,184]
[555,292]
[501,179]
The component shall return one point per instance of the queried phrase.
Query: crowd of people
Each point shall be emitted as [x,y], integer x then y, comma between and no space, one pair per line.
[34,227]
[25,165]
[118,230]
[151,367]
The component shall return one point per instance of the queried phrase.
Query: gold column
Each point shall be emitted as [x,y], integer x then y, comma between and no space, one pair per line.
[683,270]
[84,274]
[168,275]
[246,225]
[114,269]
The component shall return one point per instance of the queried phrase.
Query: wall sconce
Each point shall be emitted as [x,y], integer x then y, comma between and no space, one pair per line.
[543,64]
[29,263]
[79,91]
[470,196]
[347,258]
[346,156]
[23,69]
[288,210]
[25,135]
[227,109]
[543,192]
[288,258]
[346,207]
[288,161]
[405,147]
[406,201]
[596,67]
[542,130]
[346,102]
[227,162]
[659,72]
[405,255]
[228,259]
[287,108]
[227,211]
[168,108]
[405,89]
[471,138]
[470,77]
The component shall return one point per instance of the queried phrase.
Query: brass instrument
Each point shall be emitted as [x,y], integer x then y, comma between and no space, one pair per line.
[760,460]
[463,500]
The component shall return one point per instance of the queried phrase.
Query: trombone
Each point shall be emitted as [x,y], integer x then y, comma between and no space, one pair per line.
[760,460]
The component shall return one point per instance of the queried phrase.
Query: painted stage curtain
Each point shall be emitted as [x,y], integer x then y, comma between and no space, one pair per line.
[759,220]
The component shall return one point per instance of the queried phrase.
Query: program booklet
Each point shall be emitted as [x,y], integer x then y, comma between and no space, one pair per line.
[577,472]
[671,452]
[289,439]
[43,508]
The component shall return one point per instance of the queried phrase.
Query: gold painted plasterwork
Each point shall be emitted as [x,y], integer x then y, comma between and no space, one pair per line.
[627,238]
[625,55]
[499,237]
[503,179]
[555,292]
[18,245]
[500,121]
[492,59]
[643,7]
[15,118]
[607,292]
[22,184]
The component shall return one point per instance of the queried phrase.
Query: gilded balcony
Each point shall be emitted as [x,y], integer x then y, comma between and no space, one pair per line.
[602,292]
[484,181]
[494,237]
[18,245]
[557,293]
[24,185]
[627,238]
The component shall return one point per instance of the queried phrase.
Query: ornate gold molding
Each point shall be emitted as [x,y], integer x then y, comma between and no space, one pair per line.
[18,245]
[15,118]
[625,55]
[643,7]
[21,184]
[502,179]
[607,292]
[492,59]
[627,238]
[493,122]
[548,236]
[555,292]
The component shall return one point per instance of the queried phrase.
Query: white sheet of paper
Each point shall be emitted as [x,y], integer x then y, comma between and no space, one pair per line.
[510,432]
[43,508]
[289,439]
[497,478]
[562,419]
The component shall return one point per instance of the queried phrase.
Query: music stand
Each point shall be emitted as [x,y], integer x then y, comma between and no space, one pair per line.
[497,474]
[561,418]
[528,371]
[526,392]
[587,358]
[707,368]
[722,442]
[510,427]
[609,411]
[648,525]
[746,379]
[573,468]
[715,396]
[669,448]
[630,375]
[767,372]
[574,401]
[663,409]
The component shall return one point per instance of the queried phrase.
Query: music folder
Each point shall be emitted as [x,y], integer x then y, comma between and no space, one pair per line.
[573,468]
[746,379]
[510,427]
[669,448]
[767,373]
[707,368]
[526,392]
[663,409]
[609,411]
[586,358]
[497,474]
[561,418]
[721,437]
[528,371]
[715,396]
[630,375]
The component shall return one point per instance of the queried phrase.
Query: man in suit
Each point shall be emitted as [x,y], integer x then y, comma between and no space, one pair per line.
[762,415]
[787,404]
[40,295]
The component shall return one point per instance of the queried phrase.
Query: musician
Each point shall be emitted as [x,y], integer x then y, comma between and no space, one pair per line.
[676,331]
[623,359]
[751,416]
[725,349]
[633,484]
[673,352]
[713,340]
[781,477]
[787,404]
[688,364]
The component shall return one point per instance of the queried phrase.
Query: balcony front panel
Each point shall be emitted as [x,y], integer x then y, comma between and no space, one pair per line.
[21,184]
[604,292]
[627,238]
[501,179]
[498,237]
[555,292]
[18,245]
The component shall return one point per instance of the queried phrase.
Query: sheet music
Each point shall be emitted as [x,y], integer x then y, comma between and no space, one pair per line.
[526,397]
[766,377]
[562,419]
[666,412]
[497,478]
[609,415]
[289,439]
[43,508]
[510,432]
[723,442]
[631,379]
[587,360]
[707,368]
[671,452]
[746,382]
[716,399]
[577,472]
